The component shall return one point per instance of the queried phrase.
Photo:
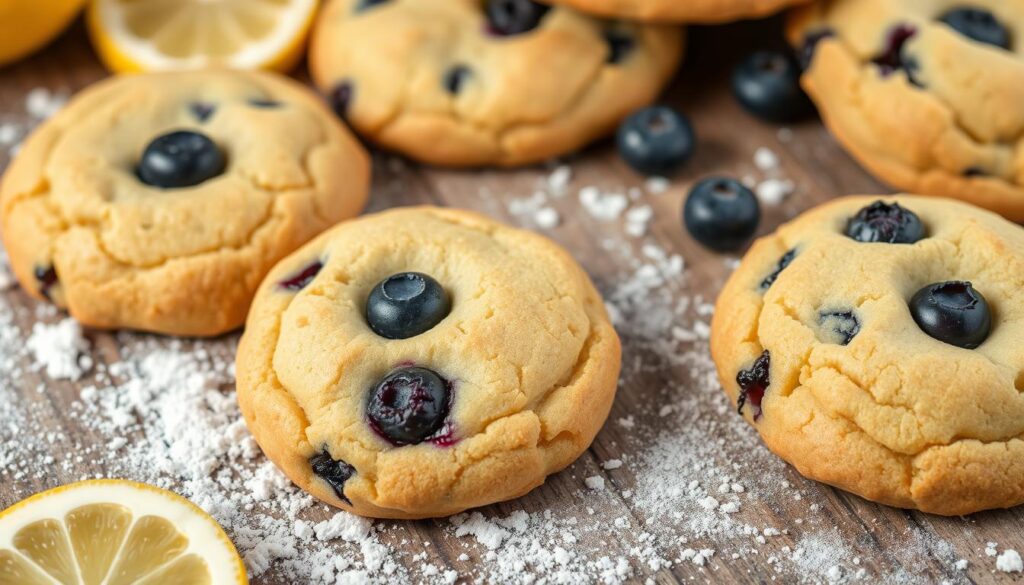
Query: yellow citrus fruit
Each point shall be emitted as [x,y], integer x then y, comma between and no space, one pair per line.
[157,35]
[26,25]
[114,532]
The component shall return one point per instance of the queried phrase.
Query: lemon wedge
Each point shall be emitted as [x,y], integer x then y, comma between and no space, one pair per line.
[28,26]
[114,532]
[157,35]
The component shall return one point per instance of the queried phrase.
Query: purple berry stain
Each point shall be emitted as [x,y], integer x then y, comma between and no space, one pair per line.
[754,383]
[302,279]
[892,57]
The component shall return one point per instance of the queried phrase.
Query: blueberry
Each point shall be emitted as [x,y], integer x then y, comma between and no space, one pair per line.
[513,17]
[721,214]
[767,84]
[301,279]
[409,405]
[893,58]
[887,223]
[334,471]
[202,110]
[810,45]
[340,98]
[840,327]
[264,103]
[180,159]
[456,77]
[784,262]
[620,45]
[952,312]
[978,25]
[46,276]
[368,4]
[754,383]
[656,140]
[405,305]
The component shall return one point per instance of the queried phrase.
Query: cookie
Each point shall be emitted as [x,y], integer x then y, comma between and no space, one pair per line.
[423,361]
[876,346]
[472,83]
[694,11]
[925,94]
[159,202]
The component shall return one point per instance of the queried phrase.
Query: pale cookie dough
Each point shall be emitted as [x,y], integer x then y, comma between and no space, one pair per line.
[921,104]
[434,80]
[693,11]
[814,336]
[84,230]
[523,346]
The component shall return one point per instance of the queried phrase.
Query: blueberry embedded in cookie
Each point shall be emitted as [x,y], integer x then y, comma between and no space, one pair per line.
[686,11]
[925,94]
[422,361]
[494,82]
[883,358]
[158,202]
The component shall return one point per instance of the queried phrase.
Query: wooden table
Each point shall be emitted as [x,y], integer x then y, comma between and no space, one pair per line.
[667,388]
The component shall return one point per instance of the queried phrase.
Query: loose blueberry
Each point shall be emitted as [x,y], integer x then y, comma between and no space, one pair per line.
[886,223]
[456,77]
[721,214]
[340,98]
[978,25]
[656,140]
[811,41]
[46,276]
[180,159]
[368,4]
[893,58]
[767,84]
[264,103]
[754,383]
[952,312]
[620,45]
[334,471]
[202,110]
[302,279]
[784,262]
[409,405]
[513,17]
[405,305]
[840,327]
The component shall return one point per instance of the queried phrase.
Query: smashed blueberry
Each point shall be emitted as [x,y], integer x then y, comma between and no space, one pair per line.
[46,276]
[264,103]
[784,262]
[811,41]
[302,279]
[656,140]
[334,471]
[405,305]
[892,58]
[978,25]
[340,98]
[839,326]
[620,45]
[202,110]
[952,312]
[456,77]
[180,159]
[754,383]
[721,214]
[887,223]
[409,405]
[367,4]
[767,84]
[513,17]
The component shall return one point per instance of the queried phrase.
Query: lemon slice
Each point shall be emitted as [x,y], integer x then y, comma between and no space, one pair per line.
[114,532]
[154,35]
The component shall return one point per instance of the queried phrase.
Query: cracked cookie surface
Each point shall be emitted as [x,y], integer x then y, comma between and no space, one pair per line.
[925,94]
[87,227]
[695,11]
[441,82]
[829,365]
[525,353]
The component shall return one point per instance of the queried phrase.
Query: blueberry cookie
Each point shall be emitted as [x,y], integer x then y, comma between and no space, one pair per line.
[159,202]
[695,11]
[926,94]
[422,361]
[876,345]
[495,82]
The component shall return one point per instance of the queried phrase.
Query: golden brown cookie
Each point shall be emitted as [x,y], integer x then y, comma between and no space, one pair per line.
[692,11]
[159,202]
[463,83]
[877,347]
[423,361]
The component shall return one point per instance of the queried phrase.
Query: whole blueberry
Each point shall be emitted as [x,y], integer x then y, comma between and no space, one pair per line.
[514,17]
[721,214]
[405,305]
[885,222]
[409,405]
[656,140]
[767,84]
[978,25]
[952,312]
[180,159]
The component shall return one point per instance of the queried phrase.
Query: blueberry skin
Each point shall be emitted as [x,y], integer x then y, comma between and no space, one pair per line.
[514,17]
[334,472]
[952,312]
[405,305]
[409,405]
[180,159]
[887,223]
[978,25]
[656,141]
[767,84]
[721,214]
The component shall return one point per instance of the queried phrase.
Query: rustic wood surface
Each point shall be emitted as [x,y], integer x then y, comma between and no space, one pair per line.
[877,535]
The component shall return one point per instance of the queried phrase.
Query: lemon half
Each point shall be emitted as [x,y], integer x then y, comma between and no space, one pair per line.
[27,26]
